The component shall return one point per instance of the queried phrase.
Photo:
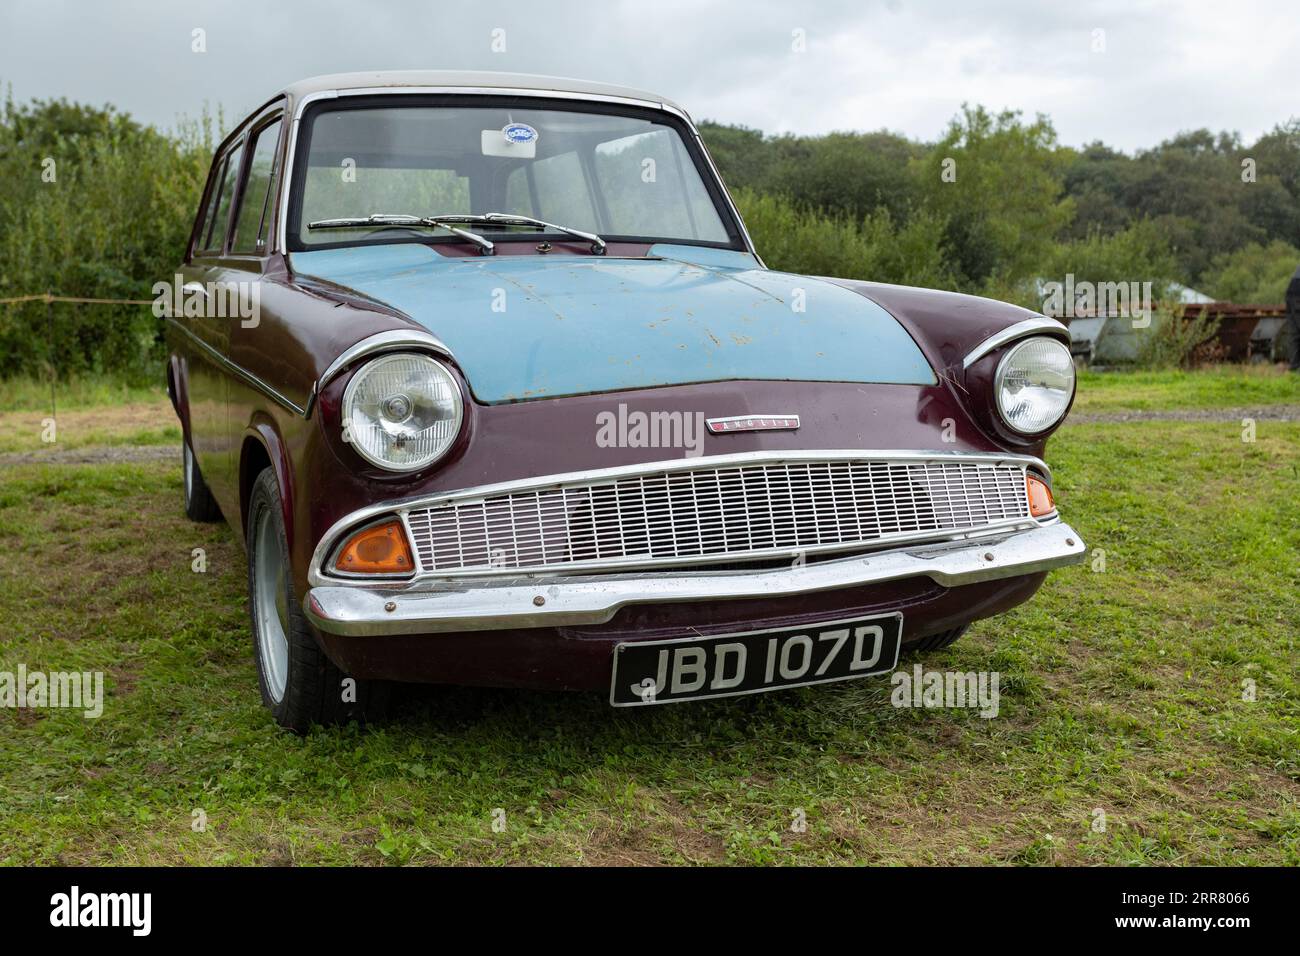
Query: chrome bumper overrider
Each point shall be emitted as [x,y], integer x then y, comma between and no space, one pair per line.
[550,601]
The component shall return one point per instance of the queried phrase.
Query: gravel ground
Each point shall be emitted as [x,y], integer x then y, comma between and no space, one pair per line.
[1282,413]
[92,455]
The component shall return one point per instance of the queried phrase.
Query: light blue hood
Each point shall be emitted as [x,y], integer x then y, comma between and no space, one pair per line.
[540,327]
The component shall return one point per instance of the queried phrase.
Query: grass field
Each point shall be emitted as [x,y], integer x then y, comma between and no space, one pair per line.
[1225,386]
[1122,691]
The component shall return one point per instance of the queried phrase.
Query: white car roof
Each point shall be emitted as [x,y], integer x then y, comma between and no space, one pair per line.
[469,80]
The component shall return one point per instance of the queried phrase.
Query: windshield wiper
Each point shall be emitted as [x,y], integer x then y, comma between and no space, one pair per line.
[445,222]
[509,219]
[401,219]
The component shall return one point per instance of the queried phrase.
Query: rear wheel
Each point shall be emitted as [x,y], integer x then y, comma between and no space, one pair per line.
[299,684]
[199,503]
[935,642]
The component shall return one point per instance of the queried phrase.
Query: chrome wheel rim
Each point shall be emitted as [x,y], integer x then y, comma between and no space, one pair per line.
[188,468]
[269,606]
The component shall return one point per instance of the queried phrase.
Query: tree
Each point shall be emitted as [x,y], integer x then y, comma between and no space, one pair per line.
[1100,180]
[998,183]
[94,205]
[1255,274]
[851,174]
[1192,187]
[742,154]
[1274,207]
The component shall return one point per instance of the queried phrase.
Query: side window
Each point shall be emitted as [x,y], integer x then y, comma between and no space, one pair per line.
[205,226]
[215,240]
[249,236]
[264,233]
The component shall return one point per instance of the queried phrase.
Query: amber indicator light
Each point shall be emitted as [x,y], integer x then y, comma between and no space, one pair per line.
[1040,497]
[379,549]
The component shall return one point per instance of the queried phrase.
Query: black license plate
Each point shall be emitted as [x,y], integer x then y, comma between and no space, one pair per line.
[699,668]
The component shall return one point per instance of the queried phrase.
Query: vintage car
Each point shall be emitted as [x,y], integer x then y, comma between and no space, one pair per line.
[487,375]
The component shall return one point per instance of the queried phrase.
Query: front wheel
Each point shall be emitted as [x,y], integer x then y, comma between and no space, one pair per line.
[299,684]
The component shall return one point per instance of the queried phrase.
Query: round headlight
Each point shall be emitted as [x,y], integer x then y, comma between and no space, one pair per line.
[402,412]
[1034,383]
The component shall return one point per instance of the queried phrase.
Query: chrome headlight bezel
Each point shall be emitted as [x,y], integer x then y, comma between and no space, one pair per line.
[438,371]
[1004,371]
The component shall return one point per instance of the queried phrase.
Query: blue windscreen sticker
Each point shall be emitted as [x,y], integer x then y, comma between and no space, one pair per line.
[519,133]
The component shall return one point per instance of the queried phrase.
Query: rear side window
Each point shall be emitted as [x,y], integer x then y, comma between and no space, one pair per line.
[251,218]
[205,225]
[264,233]
[215,240]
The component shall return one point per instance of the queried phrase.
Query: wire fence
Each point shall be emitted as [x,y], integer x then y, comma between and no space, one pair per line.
[49,298]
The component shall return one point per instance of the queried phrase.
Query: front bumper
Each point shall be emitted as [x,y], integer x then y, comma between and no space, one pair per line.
[508,603]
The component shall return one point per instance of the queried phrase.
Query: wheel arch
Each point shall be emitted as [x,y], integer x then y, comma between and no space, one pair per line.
[178,391]
[261,448]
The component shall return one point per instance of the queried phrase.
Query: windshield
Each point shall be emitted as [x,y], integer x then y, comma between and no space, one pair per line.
[622,175]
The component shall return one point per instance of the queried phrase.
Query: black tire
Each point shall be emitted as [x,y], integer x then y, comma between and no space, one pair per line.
[199,503]
[313,690]
[936,642]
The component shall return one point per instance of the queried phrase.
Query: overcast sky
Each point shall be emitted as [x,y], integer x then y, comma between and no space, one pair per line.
[904,65]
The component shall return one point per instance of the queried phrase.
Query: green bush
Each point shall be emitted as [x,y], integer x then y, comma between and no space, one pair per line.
[1176,341]
[94,205]
[1138,253]
[1254,274]
[803,241]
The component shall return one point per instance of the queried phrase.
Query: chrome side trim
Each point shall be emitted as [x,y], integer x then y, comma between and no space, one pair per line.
[302,104]
[240,371]
[1036,324]
[402,507]
[521,603]
[389,341]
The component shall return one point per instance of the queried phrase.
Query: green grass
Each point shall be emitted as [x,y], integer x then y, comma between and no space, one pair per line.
[1122,690]
[132,421]
[1224,386]
[32,394]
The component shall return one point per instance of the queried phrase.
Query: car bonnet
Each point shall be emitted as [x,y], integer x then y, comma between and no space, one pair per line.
[530,327]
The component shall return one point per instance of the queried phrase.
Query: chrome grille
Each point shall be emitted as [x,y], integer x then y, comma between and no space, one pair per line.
[703,513]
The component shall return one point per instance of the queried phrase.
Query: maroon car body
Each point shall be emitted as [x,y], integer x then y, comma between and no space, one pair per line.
[263,394]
